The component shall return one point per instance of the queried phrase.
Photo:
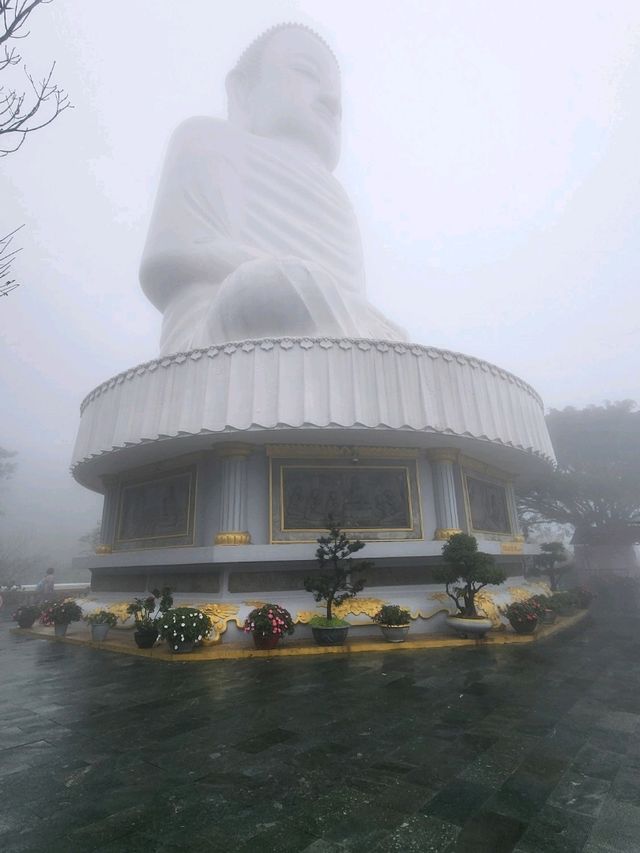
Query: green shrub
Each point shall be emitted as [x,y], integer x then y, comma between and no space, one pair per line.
[323,622]
[392,614]
[466,572]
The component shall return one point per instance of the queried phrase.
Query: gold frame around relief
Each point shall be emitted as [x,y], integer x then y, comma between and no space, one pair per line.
[192,472]
[492,481]
[416,525]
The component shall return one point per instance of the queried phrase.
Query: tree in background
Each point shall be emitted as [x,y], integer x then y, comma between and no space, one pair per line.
[91,539]
[596,486]
[26,104]
[7,467]
[18,563]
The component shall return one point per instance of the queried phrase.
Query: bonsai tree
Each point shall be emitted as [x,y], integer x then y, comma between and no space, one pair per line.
[553,562]
[466,572]
[335,582]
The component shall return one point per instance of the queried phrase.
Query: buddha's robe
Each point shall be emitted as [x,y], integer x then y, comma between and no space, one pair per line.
[250,239]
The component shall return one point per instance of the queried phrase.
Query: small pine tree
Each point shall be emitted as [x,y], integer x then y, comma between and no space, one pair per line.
[335,582]
[553,562]
[467,568]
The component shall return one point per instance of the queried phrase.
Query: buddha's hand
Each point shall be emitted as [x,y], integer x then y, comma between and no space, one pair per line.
[273,297]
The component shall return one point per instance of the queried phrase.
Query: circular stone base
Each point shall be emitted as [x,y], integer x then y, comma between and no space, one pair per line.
[177,404]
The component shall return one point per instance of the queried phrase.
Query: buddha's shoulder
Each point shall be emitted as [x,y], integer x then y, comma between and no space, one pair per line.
[205,132]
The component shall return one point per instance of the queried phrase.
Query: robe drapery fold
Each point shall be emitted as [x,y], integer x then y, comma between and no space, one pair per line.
[250,239]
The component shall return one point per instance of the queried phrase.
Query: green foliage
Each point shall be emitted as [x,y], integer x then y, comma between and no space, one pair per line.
[146,611]
[336,583]
[27,611]
[323,622]
[596,486]
[542,602]
[102,617]
[553,561]
[466,572]
[268,621]
[392,614]
[183,625]
[564,603]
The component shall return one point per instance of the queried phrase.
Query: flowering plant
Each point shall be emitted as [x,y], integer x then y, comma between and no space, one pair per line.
[102,617]
[60,612]
[146,611]
[270,620]
[27,612]
[522,611]
[183,625]
[392,615]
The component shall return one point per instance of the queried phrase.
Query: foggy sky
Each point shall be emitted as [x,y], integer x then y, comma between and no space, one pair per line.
[490,150]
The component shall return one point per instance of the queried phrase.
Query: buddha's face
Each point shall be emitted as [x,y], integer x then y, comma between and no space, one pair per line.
[297,95]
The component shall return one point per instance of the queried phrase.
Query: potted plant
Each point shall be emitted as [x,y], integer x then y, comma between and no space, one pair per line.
[523,616]
[394,622]
[184,628]
[267,624]
[60,614]
[563,603]
[335,583]
[26,615]
[553,561]
[145,612]
[546,614]
[582,597]
[100,622]
[465,573]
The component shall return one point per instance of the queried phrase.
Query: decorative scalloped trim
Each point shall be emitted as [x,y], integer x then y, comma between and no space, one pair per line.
[529,451]
[229,349]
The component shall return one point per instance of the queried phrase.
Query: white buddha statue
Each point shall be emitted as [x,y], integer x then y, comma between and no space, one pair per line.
[251,235]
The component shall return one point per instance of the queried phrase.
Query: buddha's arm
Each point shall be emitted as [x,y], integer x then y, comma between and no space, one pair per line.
[190,243]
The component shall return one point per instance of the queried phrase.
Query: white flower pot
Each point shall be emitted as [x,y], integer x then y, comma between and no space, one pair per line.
[472,629]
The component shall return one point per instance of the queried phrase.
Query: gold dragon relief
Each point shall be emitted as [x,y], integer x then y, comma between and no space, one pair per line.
[486,606]
[518,593]
[359,607]
[220,615]
[120,610]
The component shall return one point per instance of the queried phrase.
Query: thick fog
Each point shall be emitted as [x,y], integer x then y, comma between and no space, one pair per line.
[490,151]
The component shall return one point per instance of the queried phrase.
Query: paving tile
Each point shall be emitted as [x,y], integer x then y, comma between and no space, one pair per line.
[596,762]
[419,834]
[458,801]
[555,831]
[489,832]
[617,829]
[579,793]
[534,749]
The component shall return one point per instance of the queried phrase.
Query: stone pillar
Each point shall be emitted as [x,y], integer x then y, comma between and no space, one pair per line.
[109,514]
[233,495]
[444,492]
[512,507]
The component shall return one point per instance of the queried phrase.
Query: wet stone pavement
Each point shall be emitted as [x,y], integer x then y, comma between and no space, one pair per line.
[531,749]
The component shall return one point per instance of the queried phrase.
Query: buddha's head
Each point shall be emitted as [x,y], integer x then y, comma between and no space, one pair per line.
[286,85]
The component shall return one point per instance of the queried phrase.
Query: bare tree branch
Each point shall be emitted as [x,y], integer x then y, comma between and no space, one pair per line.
[6,259]
[22,112]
